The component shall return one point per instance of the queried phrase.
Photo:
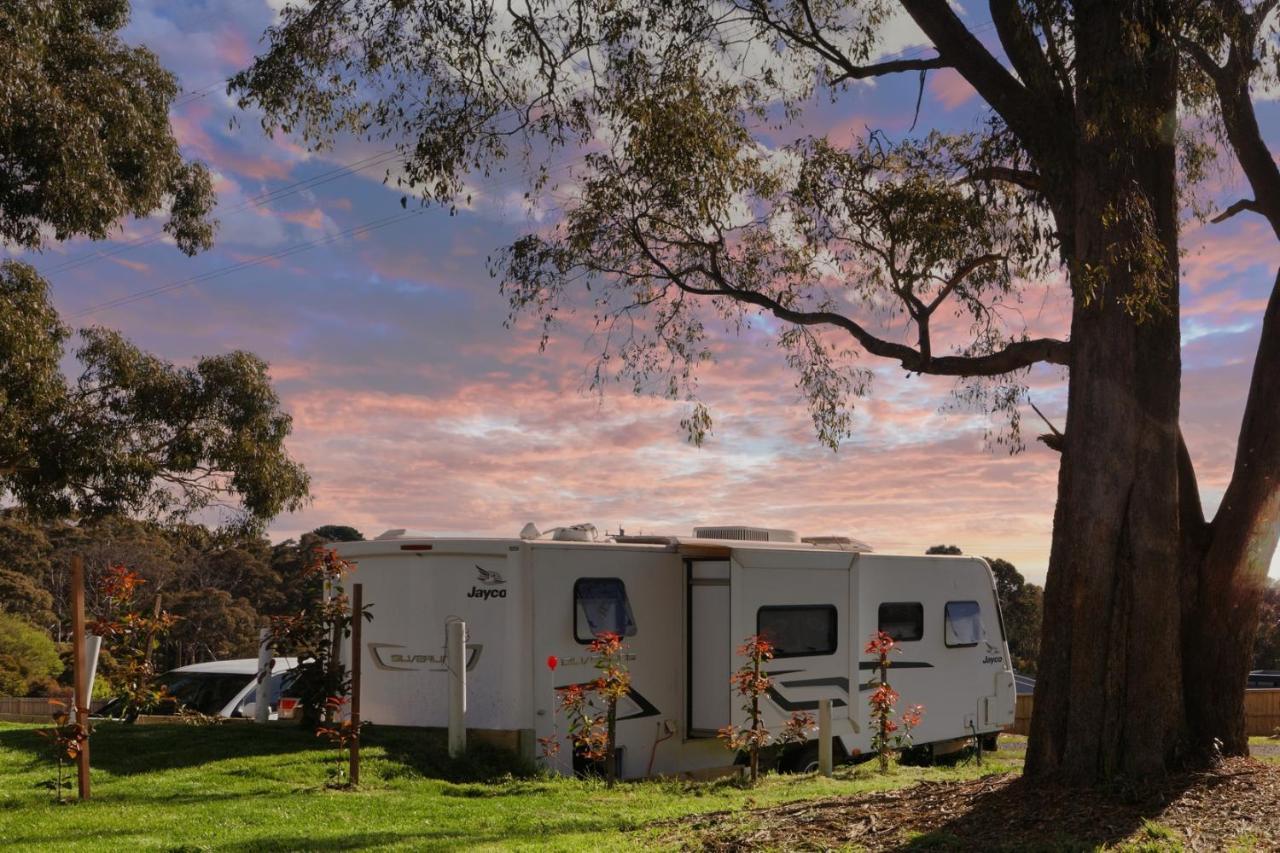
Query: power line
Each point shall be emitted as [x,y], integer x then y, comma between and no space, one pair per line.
[294,249]
[291,189]
[377,159]
[358,230]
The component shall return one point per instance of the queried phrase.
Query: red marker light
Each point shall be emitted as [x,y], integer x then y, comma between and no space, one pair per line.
[552,662]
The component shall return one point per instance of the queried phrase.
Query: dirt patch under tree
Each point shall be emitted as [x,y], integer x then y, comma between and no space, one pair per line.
[1237,803]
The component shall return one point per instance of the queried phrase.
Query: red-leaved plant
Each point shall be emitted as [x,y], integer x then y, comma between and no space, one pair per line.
[887,734]
[343,734]
[314,636]
[591,709]
[131,636]
[67,737]
[751,681]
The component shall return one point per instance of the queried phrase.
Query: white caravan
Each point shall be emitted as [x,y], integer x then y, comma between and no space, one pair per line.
[683,605]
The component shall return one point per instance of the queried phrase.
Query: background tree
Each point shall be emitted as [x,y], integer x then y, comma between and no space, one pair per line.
[1022,605]
[29,661]
[84,130]
[85,140]
[687,204]
[133,433]
[338,533]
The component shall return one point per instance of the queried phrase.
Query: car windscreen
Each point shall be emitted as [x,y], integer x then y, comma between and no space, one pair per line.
[206,692]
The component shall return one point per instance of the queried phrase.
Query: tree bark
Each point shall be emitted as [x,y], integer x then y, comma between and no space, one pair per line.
[1109,693]
[1221,618]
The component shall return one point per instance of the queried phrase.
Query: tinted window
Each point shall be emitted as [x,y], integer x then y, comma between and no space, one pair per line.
[600,605]
[963,626]
[902,620]
[205,692]
[798,630]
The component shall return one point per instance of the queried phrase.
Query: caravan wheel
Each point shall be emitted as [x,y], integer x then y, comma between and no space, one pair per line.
[800,759]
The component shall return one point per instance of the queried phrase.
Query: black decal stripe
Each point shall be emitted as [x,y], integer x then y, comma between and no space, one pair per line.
[647,708]
[897,664]
[804,705]
[842,683]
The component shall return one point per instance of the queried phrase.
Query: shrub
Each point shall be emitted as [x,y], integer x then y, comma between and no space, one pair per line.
[592,729]
[28,657]
[751,682]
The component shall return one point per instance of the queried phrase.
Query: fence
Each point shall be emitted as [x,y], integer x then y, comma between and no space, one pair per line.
[1261,713]
[41,710]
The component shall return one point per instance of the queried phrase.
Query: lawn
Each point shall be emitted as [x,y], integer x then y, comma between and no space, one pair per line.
[242,787]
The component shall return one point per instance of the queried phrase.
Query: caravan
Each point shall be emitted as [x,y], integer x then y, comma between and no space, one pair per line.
[682,606]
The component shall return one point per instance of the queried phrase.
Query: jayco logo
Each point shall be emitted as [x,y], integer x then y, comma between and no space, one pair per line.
[488,578]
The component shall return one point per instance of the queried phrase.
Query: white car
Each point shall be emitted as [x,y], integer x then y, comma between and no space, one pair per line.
[222,688]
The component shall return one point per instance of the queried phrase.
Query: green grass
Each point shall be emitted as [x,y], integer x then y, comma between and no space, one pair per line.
[241,787]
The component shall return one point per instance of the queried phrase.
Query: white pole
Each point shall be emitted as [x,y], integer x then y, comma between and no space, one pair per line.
[824,737]
[92,646]
[456,654]
[262,696]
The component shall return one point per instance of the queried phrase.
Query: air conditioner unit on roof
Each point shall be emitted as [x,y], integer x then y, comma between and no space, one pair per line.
[742,533]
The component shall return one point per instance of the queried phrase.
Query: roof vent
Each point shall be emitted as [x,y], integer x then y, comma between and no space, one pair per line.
[576,533]
[838,543]
[742,533]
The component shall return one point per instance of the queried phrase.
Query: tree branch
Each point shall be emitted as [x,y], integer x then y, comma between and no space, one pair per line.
[1238,207]
[1015,356]
[1023,48]
[962,51]
[817,42]
[965,270]
[892,66]
[1024,178]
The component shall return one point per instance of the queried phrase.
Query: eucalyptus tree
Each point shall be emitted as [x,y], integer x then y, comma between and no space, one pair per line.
[85,140]
[697,192]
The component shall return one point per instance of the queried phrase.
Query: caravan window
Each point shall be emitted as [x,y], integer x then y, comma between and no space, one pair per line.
[902,620]
[963,625]
[600,605]
[798,630]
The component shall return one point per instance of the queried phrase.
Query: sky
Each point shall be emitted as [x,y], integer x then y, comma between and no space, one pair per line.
[415,407]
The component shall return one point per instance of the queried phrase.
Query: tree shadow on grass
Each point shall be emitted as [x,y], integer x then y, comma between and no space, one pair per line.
[425,752]
[1023,815]
[993,813]
[426,839]
[123,749]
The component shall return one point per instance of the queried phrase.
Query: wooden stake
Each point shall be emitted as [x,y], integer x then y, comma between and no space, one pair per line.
[79,675]
[357,607]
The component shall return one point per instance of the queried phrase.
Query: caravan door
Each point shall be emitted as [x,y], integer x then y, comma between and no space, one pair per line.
[710,648]
[800,602]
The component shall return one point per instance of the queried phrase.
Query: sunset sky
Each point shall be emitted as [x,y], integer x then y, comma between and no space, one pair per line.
[414,407]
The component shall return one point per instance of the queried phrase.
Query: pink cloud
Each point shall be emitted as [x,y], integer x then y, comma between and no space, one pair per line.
[950,89]
[136,266]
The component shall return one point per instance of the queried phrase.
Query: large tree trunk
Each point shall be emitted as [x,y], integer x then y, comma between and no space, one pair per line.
[1109,691]
[1231,573]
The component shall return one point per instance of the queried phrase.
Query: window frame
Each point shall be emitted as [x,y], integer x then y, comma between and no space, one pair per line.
[833,633]
[919,605]
[626,597]
[946,620]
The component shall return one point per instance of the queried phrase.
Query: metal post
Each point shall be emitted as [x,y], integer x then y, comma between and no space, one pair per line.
[357,608]
[80,675]
[456,655]
[824,737]
[92,650]
[266,661]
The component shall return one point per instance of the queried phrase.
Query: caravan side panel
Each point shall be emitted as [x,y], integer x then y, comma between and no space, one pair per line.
[951,655]
[412,596]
